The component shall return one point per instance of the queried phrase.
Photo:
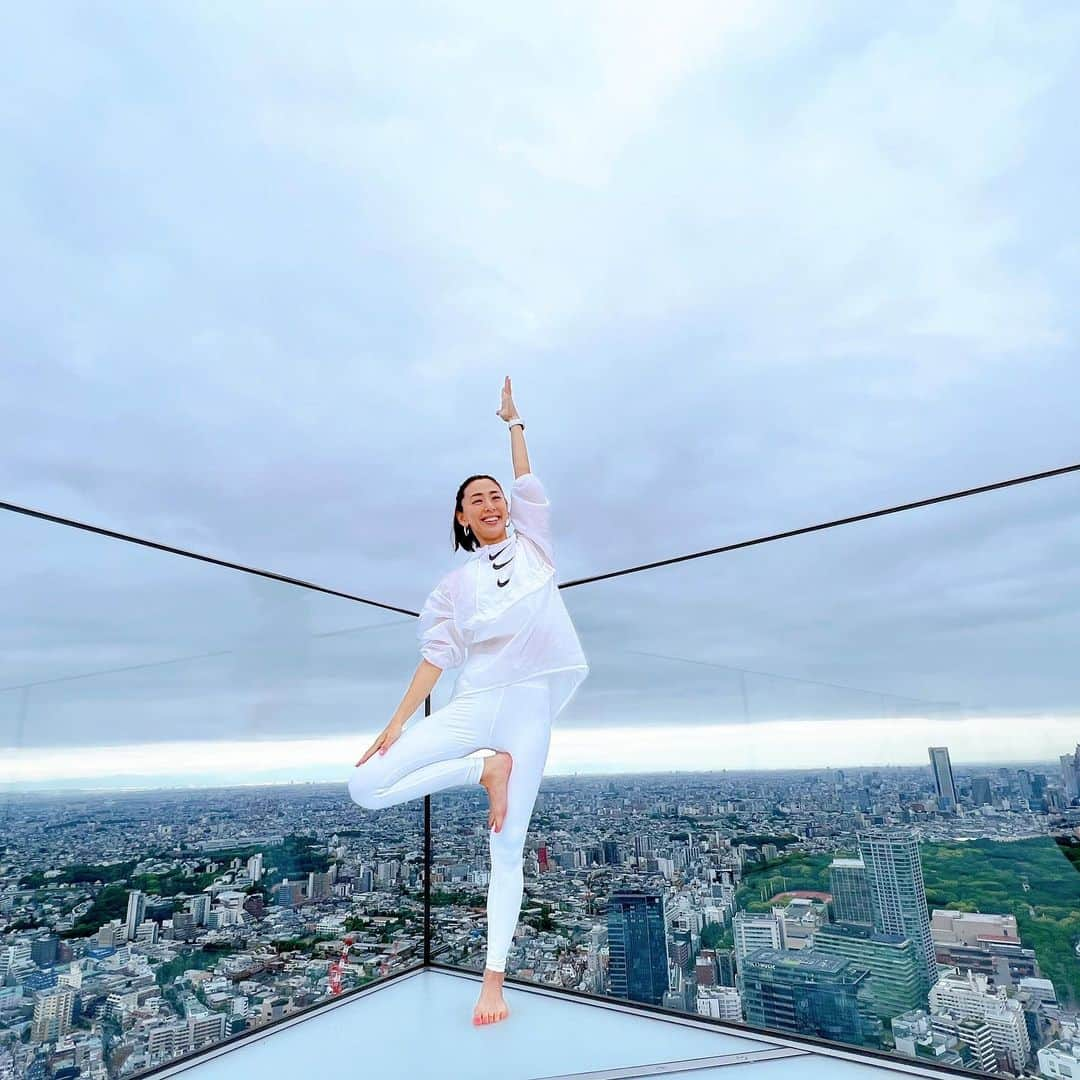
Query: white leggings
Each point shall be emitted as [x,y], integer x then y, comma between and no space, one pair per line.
[429,756]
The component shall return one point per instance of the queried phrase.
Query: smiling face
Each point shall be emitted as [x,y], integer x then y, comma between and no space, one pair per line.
[483,509]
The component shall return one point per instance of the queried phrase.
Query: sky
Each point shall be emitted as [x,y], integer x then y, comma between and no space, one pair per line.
[750,267]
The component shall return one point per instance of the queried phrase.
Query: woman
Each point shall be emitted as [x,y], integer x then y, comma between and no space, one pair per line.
[501,616]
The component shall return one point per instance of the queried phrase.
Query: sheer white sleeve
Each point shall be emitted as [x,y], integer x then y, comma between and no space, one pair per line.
[440,640]
[530,511]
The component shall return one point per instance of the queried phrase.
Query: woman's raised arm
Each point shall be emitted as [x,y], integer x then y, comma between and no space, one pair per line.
[507,411]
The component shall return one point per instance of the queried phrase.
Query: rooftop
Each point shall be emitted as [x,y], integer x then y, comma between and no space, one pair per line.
[418,1024]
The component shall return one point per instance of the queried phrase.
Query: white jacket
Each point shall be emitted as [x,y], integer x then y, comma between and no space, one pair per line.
[509,632]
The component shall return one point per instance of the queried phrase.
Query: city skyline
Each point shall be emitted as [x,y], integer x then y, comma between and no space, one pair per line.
[573,751]
[809,902]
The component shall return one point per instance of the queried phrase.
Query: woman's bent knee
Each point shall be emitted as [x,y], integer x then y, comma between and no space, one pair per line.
[363,787]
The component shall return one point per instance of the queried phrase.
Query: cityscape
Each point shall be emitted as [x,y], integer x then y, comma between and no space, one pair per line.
[929,912]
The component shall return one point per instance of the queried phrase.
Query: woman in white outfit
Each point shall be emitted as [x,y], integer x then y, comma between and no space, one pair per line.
[501,615]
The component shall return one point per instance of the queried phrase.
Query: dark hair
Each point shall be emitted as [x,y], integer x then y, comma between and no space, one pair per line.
[463,539]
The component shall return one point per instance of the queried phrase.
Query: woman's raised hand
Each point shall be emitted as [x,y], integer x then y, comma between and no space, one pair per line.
[507,410]
[384,740]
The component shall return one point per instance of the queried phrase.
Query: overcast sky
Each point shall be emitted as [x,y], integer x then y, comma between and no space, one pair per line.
[750,267]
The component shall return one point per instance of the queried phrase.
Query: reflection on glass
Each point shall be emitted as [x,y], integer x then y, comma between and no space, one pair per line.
[180,860]
[828,786]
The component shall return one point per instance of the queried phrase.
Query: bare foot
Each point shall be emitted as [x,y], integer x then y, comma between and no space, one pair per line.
[495,777]
[490,1005]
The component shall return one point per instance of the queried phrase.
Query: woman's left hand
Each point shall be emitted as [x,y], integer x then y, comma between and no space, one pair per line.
[508,410]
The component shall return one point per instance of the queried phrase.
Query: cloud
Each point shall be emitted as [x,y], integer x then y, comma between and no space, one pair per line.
[749,269]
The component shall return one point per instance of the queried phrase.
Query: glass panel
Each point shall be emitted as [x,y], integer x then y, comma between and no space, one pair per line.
[182,860]
[825,786]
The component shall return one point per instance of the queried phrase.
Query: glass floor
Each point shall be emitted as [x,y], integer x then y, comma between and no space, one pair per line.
[419,1025]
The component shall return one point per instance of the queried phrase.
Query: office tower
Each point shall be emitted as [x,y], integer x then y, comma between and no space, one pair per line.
[725,967]
[890,959]
[850,890]
[943,776]
[611,853]
[200,908]
[898,894]
[44,950]
[1024,783]
[1070,773]
[318,885]
[680,950]
[136,909]
[981,794]
[807,993]
[755,931]
[637,946]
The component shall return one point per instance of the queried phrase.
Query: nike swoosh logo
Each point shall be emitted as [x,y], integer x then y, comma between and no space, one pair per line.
[502,583]
[497,565]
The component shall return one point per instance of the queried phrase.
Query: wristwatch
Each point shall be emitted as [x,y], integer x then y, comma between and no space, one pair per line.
[515,420]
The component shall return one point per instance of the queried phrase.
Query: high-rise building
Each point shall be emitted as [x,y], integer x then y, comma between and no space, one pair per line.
[681,949]
[44,950]
[318,887]
[943,776]
[973,1035]
[808,993]
[890,959]
[1070,773]
[754,930]
[637,946]
[850,890]
[53,1012]
[969,996]
[200,908]
[898,894]
[725,967]
[1025,782]
[981,793]
[136,909]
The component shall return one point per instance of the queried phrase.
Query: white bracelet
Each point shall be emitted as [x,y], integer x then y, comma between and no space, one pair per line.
[515,420]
